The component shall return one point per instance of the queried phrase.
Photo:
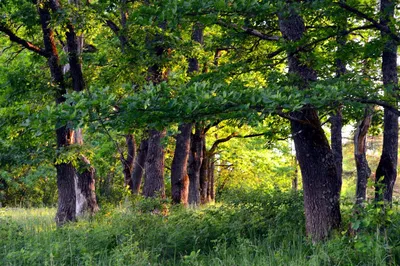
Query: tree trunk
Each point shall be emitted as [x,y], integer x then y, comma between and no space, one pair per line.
[211,178]
[138,168]
[127,163]
[204,182]
[321,184]
[336,118]
[154,166]
[179,177]
[386,172]
[295,179]
[66,211]
[336,140]
[85,188]
[360,149]
[84,181]
[195,161]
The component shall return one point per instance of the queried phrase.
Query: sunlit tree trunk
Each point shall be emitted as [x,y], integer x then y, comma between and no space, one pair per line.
[179,177]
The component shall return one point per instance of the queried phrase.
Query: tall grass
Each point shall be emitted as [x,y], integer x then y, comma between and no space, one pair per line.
[254,228]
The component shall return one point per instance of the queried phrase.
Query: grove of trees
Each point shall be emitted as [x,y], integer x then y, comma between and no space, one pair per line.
[149,91]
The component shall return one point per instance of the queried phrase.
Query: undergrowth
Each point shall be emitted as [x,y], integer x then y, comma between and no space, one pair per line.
[256,228]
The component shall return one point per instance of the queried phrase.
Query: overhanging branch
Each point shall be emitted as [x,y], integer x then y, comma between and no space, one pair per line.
[374,22]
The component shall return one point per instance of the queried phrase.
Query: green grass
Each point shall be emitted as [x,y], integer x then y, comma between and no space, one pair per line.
[255,228]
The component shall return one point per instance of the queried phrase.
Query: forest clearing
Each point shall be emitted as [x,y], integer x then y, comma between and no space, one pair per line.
[187,132]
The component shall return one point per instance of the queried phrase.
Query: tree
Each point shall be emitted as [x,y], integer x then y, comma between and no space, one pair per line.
[179,177]
[139,164]
[386,172]
[360,148]
[154,166]
[320,180]
[75,186]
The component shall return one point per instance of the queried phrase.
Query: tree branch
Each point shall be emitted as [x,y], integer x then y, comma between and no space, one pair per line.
[28,45]
[380,103]
[117,31]
[219,141]
[374,22]
[250,31]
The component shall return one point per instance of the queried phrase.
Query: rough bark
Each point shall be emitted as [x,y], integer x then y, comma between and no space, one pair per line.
[386,172]
[360,149]
[138,167]
[179,177]
[195,161]
[154,166]
[66,209]
[321,184]
[128,162]
[85,188]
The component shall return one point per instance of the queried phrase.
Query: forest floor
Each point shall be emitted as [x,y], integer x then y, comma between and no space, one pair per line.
[247,228]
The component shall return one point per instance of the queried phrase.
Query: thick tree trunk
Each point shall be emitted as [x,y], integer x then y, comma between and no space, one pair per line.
[321,184]
[195,161]
[179,177]
[360,149]
[138,168]
[386,172]
[154,166]
[66,209]
[127,163]
[85,188]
